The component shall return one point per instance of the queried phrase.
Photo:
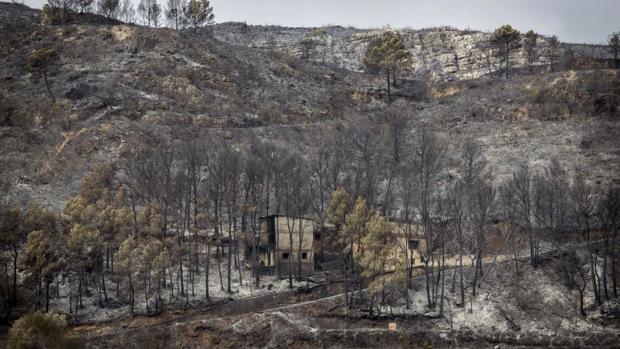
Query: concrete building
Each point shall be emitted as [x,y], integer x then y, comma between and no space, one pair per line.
[408,240]
[276,254]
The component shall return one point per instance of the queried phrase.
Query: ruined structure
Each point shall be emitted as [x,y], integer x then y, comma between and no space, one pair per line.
[284,242]
[407,240]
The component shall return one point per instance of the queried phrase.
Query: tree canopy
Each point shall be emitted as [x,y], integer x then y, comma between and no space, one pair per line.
[387,54]
[198,13]
[38,330]
[507,39]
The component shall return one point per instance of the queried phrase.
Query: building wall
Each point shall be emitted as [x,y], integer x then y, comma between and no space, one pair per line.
[401,245]
[284,227]
[409,237]
[283,224]
[278,246]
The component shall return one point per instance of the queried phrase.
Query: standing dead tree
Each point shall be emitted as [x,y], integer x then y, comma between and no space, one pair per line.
[456,212]
[428,154]
[553,52]
[253,178]
[521,182]
[40,63]
[232,172]
[408,193]
[216,181]
[613,46]
[508,199]
[394,137]
[551,205]
[575,275]
[609,217]
[530,44]
[484,199]
[365,171]
[584,201]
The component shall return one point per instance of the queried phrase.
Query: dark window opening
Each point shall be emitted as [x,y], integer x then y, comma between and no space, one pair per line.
[317,236]
[304,255]
[285,255]
[413,244]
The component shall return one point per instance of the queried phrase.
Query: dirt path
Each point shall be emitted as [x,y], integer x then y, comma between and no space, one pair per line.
[212,311]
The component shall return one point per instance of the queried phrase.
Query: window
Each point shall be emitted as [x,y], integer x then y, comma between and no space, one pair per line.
[413,244]
[304,255]
[285,255]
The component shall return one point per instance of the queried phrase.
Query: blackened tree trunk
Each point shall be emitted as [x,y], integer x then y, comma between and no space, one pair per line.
[428,281]
[299,253]
[230,252]
[595,289]
[290,252]
[581,309]
[442,270]
[105,292]
[613,271]
[48,281]
[345,281]
[15,256]
[131,303]
[207,262]
[389,91]
[48,88]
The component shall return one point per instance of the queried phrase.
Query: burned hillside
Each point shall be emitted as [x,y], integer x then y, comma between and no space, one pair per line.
[233,185]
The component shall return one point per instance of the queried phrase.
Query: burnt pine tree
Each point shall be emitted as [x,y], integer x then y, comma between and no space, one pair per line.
[198,13]
[12,236]
[150,11]
[174,13]
[83,5]
[530,44]
[507,39]
[613,46]
[127,12]
[456,213]
[584,200]
[39,63]
[428,158]
[387,54]
[109,8]
[307,46]
[609,216]
[553,51]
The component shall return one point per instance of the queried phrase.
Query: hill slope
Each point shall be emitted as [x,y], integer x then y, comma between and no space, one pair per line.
[119,87]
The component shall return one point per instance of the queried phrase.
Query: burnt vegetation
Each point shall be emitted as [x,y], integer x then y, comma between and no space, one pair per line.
[157,169]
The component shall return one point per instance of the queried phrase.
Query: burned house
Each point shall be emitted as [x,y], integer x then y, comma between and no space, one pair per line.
[408,240]
[276,254]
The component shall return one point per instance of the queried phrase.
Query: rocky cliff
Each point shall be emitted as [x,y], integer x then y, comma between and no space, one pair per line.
[441,54]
